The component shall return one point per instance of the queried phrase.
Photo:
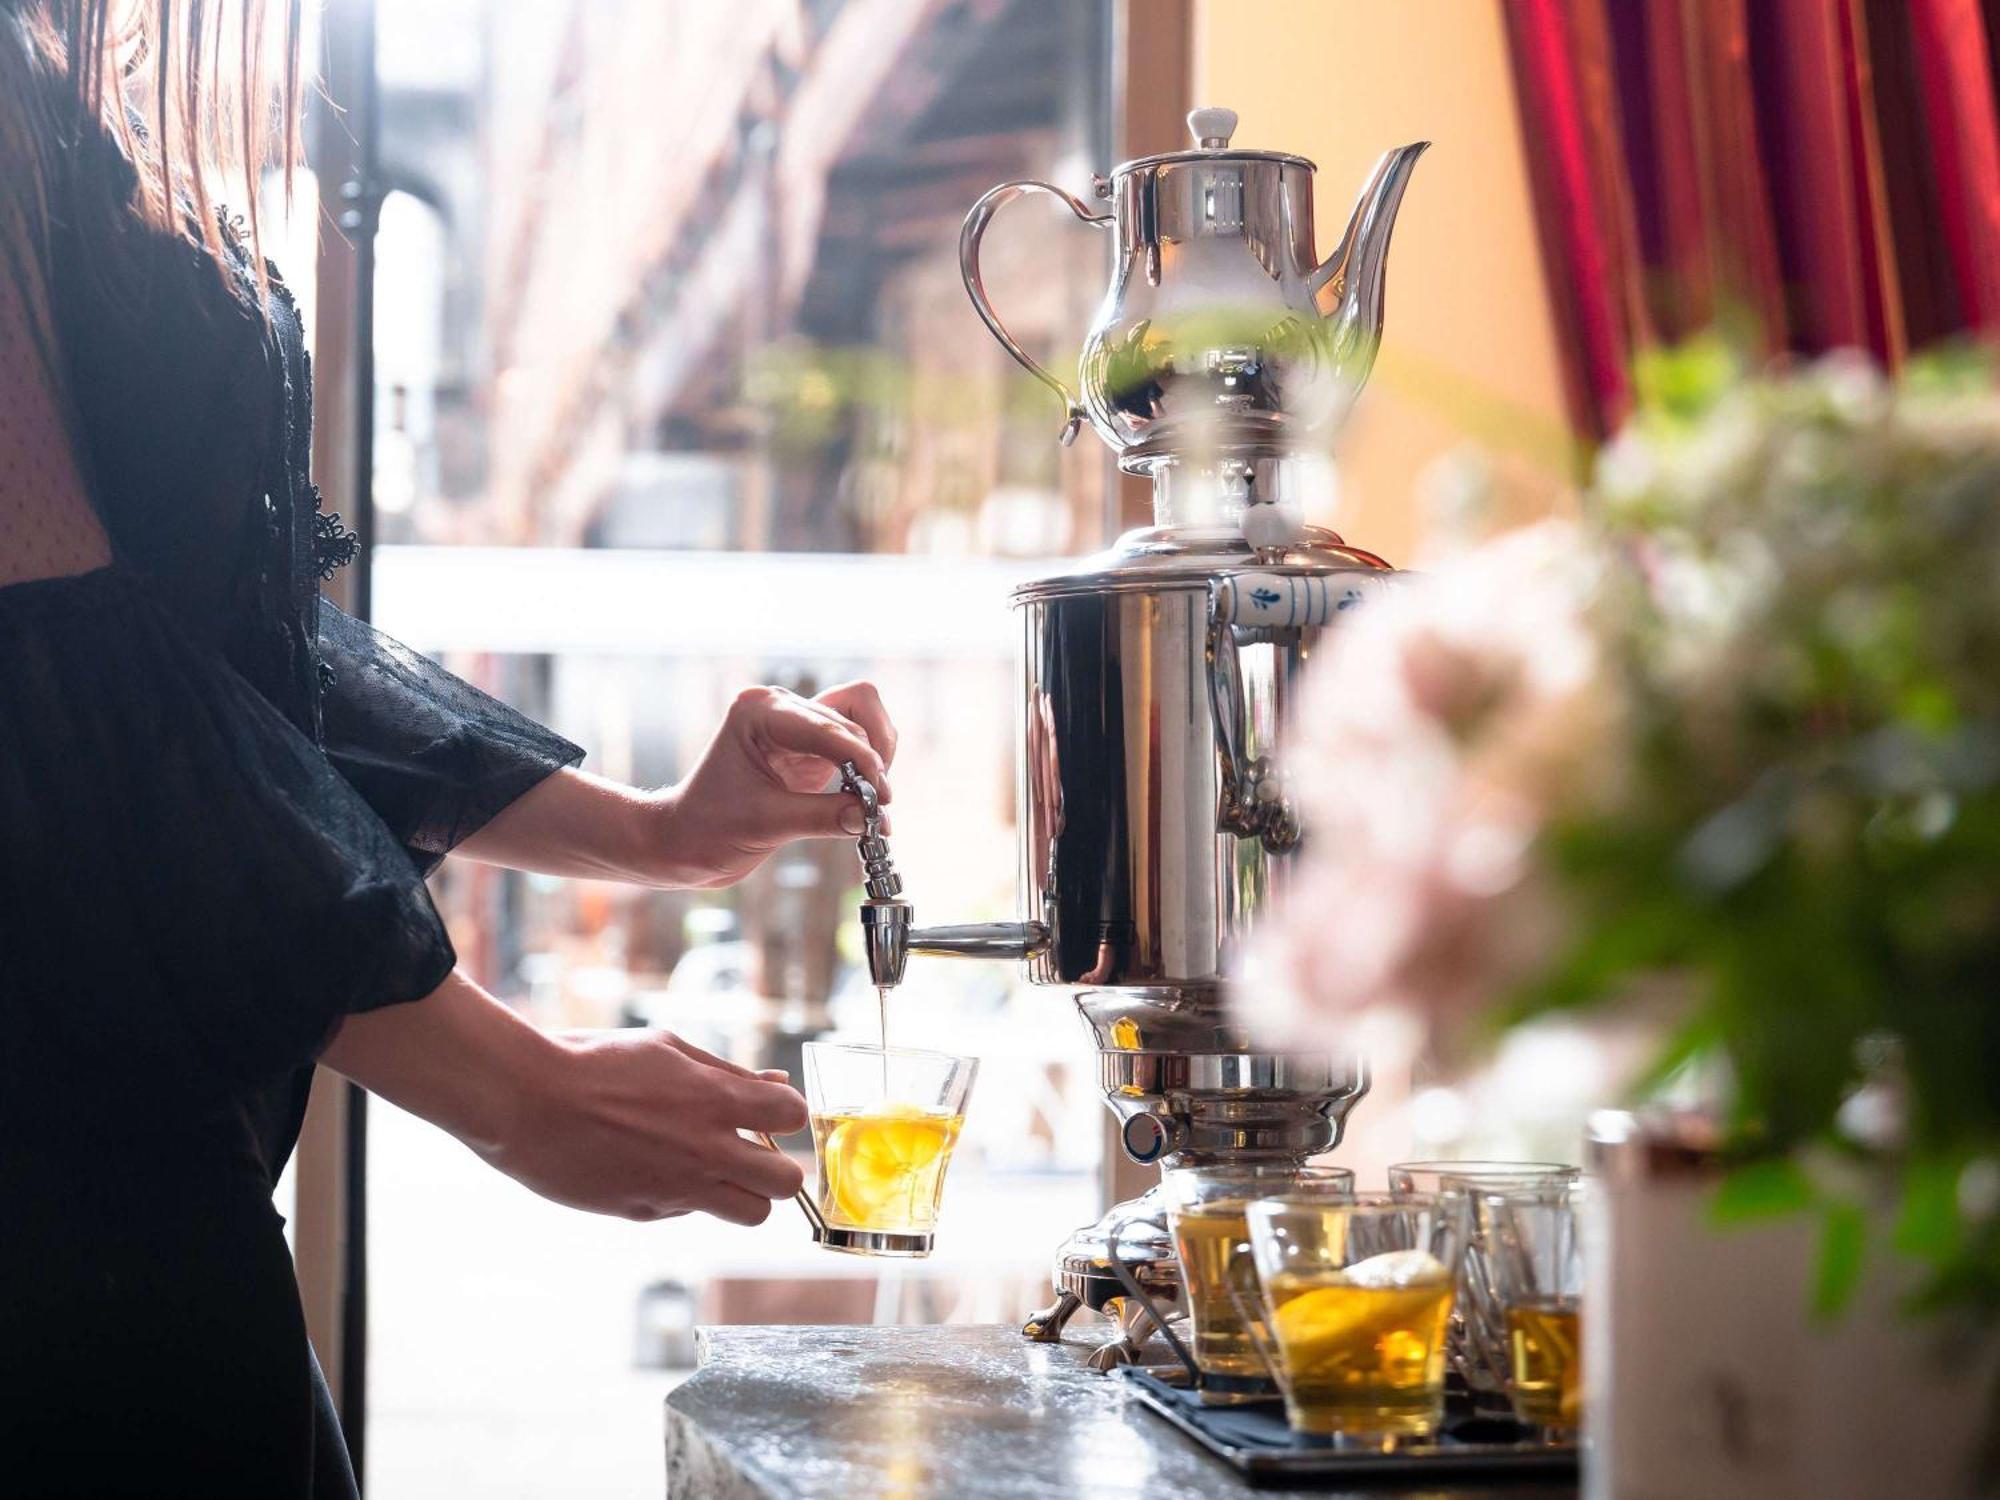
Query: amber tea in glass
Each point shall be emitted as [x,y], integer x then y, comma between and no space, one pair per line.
[1205,1206]
[1476,1346]
[1537,1260]
[884,1123]
[1357,1296]
[1544,1337]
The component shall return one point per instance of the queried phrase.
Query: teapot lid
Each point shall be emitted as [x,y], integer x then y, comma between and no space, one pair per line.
[1211,129]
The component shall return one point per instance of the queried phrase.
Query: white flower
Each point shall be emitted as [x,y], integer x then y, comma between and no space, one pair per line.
[1448,722]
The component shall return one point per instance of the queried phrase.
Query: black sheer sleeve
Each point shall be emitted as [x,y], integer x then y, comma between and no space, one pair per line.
[190,896]
[435,757]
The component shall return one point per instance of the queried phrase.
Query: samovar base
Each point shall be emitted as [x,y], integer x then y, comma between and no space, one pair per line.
[1085,1277]
[1188,1088]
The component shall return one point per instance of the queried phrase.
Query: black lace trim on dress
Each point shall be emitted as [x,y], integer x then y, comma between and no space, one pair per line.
[334,546]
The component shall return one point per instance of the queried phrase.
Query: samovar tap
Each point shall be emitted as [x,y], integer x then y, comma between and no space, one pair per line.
[888,933]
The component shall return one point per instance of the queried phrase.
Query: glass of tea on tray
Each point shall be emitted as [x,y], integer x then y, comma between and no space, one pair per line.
[1205,1207]
[1357,1296]
[1477,1344]
[884,1122]
[1534,1249]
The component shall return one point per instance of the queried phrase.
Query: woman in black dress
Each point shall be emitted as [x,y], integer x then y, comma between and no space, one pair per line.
[219,797]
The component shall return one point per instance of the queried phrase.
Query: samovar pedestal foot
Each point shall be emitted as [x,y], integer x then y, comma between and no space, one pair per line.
[1097,1269]
[1114,1355]
[1128,1349]
[1046,1326]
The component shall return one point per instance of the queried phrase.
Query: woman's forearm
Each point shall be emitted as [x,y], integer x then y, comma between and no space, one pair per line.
[459,1058]
[581,826]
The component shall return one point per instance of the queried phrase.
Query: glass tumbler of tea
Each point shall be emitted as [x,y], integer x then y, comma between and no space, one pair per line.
[1535,1252]
[884,1122]
[1477,1347]
[1205,1207]
[1356,1296]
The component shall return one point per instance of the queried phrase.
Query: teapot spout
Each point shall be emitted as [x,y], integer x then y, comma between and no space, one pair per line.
[1348,287]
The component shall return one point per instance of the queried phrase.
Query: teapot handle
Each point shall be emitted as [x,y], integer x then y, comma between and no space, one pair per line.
[968,270]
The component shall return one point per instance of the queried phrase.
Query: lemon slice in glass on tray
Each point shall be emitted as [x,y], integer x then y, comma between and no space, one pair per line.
[1384,1310]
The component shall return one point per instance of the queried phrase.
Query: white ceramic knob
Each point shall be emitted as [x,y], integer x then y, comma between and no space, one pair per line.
[1211,128]
[1272,528]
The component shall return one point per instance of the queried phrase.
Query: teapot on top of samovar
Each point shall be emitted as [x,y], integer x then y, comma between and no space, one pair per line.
[1157,822]
[1219,364]
[1220,329]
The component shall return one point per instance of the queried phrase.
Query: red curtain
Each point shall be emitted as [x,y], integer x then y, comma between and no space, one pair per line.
[1806,174]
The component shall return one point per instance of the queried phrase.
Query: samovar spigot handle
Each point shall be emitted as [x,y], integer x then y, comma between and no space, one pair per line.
[878,872]
[886,931]
[885,916]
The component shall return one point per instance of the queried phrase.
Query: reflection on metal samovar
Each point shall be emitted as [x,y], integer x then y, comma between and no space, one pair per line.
[1157,676]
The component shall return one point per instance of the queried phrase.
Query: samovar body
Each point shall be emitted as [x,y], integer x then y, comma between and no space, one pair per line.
[1155,824]
[1156,828]
[1156,817]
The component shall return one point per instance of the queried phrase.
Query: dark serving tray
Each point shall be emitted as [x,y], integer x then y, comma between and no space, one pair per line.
[1252,1438]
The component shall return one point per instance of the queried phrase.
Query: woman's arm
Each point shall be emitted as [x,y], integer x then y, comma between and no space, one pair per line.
[637,1124]
[762,782]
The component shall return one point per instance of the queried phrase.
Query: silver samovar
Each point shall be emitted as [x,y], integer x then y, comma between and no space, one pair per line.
[1157,676]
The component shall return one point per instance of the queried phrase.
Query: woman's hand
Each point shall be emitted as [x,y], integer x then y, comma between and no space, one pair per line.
[638,1124]
[644,1125]
[770,776]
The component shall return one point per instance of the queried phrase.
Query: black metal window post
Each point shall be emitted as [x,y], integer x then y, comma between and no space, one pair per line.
[344,152]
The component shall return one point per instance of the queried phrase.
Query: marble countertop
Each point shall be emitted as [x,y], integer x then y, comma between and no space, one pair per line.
[972,1413]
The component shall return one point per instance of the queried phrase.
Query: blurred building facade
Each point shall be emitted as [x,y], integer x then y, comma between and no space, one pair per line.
[705,289]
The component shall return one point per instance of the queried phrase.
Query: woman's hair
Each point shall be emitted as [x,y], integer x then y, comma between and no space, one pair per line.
[201,95]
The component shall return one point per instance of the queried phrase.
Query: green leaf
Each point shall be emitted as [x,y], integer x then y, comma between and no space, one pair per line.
[1685,381]
[1928,1227]
[1960,366]
[1843,1251]
[1761,1190]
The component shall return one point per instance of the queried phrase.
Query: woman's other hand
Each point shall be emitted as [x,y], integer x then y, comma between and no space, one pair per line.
[635,1123]
[769,776]
[645,1125]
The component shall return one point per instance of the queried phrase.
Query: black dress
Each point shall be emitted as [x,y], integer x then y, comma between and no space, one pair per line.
[218,800]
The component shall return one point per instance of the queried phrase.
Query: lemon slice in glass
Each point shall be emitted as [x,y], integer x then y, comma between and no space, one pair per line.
[1364,1323]
[883,1168]
[1396,1268]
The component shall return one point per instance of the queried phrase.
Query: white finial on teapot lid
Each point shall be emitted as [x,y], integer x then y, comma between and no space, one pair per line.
[1212,128]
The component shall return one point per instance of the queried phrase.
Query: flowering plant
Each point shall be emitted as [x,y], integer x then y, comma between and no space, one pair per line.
[1739,725]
